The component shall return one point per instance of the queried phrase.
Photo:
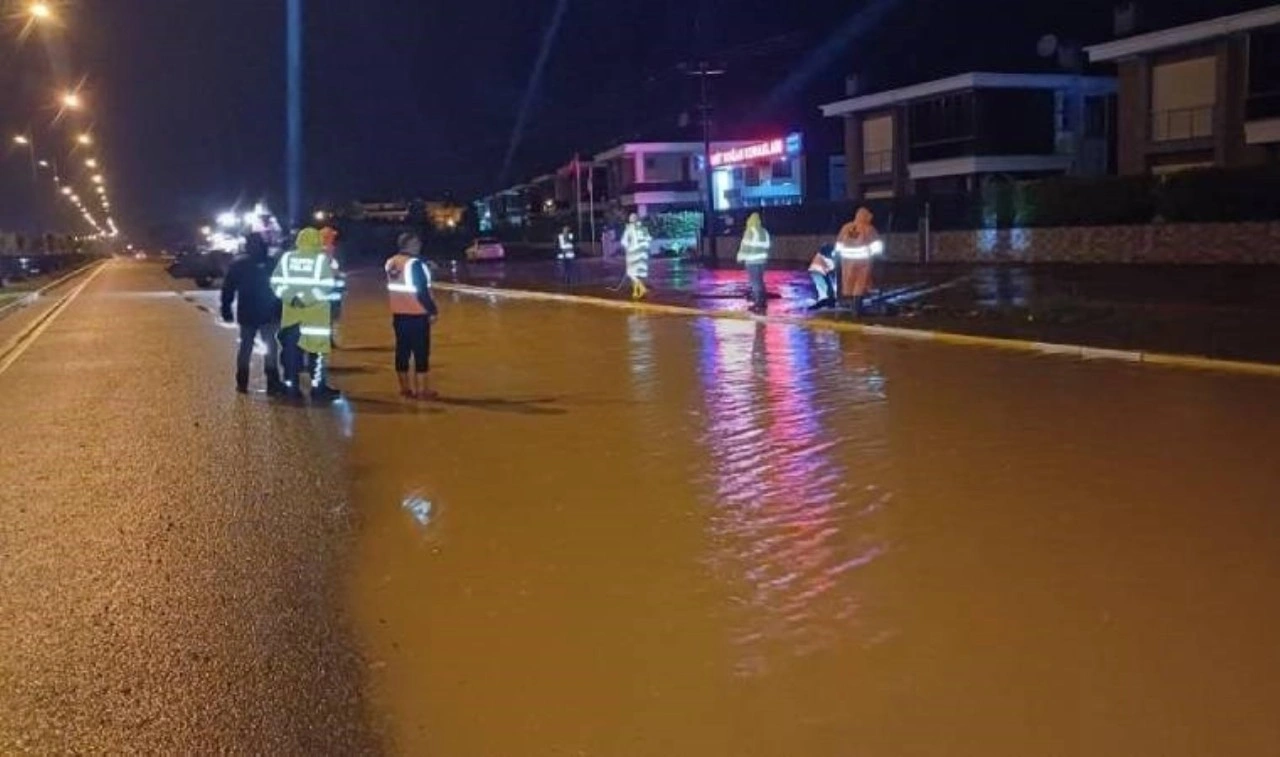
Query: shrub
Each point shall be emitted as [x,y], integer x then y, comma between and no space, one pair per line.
[681,225]
[1088,202]
[1215,194]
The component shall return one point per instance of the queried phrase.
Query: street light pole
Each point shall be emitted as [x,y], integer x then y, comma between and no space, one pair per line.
[704,72]
[293,142]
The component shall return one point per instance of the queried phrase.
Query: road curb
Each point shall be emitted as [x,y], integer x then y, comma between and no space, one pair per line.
[1076,351]
[16,346]
[29,297]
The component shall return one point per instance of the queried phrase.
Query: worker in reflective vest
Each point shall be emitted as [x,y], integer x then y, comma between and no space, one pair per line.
[566,253]
[754,254]
[565,244]
[856,245]
[412,312]
[636,241]
[306,282]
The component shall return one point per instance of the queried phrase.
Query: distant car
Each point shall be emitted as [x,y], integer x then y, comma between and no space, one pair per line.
[486,248]
[140,255]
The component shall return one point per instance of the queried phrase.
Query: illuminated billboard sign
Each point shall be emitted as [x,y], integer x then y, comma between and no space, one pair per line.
[767,150]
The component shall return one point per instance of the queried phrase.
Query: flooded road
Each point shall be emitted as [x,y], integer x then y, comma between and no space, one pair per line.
[623,534]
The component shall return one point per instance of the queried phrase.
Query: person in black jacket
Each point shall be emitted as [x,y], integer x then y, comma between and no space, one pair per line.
[248,280]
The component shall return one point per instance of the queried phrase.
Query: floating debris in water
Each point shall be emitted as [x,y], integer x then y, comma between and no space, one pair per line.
[419,507]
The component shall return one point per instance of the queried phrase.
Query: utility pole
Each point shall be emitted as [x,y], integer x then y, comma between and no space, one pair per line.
[704,72]
[293,115]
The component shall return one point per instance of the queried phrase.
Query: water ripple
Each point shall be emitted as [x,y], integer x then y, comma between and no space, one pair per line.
[791,522]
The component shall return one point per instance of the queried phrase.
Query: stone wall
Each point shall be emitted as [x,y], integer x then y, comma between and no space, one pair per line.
[1181,243]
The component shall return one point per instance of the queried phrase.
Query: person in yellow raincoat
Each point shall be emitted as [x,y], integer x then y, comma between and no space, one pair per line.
[636,242]
[306,281]
[856,245]
[753,253]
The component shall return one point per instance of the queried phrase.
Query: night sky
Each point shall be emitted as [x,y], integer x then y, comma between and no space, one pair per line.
[419,97]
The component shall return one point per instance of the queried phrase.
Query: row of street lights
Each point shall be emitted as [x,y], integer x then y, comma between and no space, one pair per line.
[71,100]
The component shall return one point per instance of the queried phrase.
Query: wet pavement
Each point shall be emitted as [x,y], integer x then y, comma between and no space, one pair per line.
[168,551]
[627,534]
[1224,312]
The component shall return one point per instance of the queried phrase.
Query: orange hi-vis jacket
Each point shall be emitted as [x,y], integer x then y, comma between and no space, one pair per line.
[403,294]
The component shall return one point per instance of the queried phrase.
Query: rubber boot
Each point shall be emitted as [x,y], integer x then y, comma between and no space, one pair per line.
[324,393]
[275,387]
[242,381]
[320,389]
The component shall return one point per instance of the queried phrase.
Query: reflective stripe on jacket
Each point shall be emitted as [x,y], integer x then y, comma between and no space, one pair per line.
[403,295]
[755,246]
[306,283]
[636,241]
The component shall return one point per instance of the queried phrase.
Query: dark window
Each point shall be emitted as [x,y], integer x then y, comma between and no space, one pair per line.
[1264,73]
[1095,117]
[942,119]
[650,163]
[1015,122]
[751,176]
[782,169]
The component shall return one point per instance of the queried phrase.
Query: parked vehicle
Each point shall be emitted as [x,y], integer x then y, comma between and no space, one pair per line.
[486,248]
[205,267]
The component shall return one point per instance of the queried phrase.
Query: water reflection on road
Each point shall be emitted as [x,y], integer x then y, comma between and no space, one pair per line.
[776,489]
[639,535]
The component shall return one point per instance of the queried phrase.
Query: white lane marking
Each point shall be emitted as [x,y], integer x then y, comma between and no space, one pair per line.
[24,341]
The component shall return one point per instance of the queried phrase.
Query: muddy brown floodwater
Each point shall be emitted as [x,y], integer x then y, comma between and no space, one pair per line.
[621,534]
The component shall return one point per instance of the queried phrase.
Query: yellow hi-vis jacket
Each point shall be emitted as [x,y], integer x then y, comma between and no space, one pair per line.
[755,246]
[306,281]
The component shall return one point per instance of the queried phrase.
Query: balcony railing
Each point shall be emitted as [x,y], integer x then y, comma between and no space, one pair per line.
[1182,123]
[877,162]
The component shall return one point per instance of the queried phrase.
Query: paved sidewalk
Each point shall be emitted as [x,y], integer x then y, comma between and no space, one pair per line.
[1221,312]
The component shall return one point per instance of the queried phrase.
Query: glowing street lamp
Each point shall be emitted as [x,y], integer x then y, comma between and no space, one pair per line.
[40,11]
[84,139]
[97,178]
[91,163]
[73,101]
[66,191]
[21,139]
[319,216]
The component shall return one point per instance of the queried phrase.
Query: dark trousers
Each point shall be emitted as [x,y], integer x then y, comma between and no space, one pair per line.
[413,339]
[755,275]
[248,334]
[293,360]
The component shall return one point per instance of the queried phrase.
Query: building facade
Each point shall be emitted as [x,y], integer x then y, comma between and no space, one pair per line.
[946,136]
[1203,94]
[655,177]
